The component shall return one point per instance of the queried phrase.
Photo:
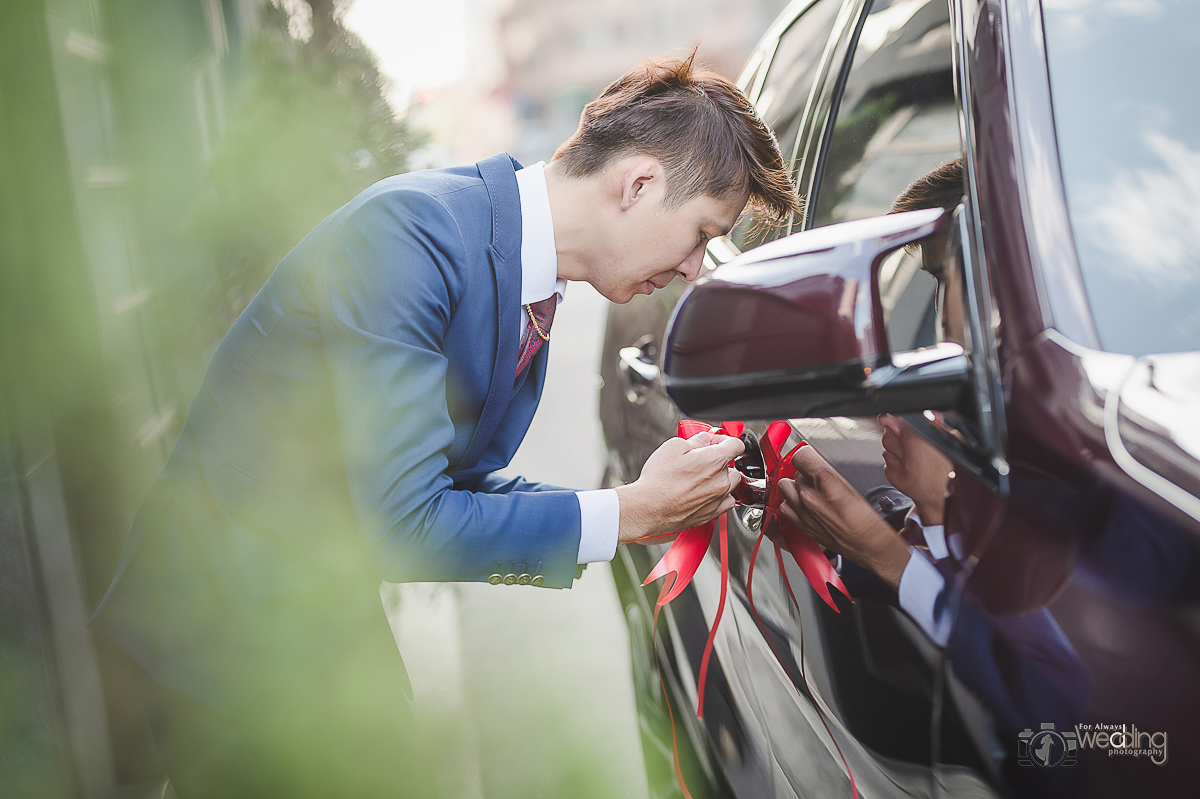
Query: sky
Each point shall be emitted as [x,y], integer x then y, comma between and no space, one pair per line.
[420,44]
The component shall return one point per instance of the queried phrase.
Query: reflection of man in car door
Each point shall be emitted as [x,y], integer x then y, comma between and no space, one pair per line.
[940,188]
[1023,668]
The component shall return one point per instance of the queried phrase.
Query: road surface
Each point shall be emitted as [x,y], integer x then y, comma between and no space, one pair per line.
[526,692]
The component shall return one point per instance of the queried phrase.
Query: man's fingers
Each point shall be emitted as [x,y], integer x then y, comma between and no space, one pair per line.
[787,487]
[679,445]
[722,448]
[808,461]
[790,507]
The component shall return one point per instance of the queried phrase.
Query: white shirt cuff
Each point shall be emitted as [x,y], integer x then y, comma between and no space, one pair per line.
[599,522]
[921,590]
[935,539]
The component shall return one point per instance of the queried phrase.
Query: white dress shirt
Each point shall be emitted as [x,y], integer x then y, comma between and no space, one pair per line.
[599,511]
[921,583]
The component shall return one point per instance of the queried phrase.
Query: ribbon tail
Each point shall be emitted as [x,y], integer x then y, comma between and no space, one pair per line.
[662,682]
[804,677]
[813,563]
[682,560]
[722,532]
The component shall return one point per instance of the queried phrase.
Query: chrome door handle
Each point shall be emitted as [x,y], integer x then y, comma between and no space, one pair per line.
[636,366]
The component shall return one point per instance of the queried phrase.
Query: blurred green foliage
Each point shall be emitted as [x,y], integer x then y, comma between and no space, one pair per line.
[308,129]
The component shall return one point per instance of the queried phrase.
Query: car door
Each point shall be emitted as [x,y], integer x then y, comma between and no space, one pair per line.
[782,76]
[873,109]
[1077,601]
[887,118]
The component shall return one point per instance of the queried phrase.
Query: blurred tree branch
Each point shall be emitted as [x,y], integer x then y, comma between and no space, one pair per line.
[308,130]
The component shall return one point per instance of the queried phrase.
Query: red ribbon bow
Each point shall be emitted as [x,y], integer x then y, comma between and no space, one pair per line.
[690,546]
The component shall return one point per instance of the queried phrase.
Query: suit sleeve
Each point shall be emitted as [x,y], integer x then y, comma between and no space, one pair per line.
[496,483]
[386,288]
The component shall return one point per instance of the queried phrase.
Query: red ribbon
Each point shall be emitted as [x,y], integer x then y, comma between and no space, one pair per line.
[806,552]
[681,561]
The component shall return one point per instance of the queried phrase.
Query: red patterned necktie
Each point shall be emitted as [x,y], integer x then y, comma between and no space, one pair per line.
[537,332]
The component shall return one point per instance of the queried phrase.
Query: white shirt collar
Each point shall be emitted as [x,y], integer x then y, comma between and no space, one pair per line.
[539,259]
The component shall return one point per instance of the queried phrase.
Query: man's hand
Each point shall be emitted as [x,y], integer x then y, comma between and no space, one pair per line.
[822,504]
[683,484]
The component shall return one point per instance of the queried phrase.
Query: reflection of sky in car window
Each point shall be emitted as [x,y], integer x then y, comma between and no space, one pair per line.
[884,19]
[926,141]
[1122,73]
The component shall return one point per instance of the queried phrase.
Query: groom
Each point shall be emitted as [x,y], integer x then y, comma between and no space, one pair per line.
[352,422]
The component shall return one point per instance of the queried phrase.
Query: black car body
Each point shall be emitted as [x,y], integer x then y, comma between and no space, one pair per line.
[1073,435]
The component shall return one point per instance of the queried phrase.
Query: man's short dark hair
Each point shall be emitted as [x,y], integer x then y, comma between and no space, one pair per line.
[942,187]
[697,123]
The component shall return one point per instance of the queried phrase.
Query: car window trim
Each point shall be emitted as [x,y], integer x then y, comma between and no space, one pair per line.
[768,46]
[984,357]
[990,463]
[841,48]
[756,71]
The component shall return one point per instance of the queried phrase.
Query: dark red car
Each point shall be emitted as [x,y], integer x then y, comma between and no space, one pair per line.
[1040,335]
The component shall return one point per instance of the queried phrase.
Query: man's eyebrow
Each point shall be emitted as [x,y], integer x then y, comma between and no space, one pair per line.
[718,226]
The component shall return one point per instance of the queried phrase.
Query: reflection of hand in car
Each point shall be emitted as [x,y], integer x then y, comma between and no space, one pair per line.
[822,504]
[915,468]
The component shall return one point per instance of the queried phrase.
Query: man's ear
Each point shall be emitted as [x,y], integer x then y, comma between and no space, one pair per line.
[642,177]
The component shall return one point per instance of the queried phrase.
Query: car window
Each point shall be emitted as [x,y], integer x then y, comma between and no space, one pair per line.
[792,71]
[1129,145]
[894,144]
[896,122]
[785,89]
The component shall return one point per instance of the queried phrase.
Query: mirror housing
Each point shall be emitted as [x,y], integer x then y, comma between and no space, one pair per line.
[795,328]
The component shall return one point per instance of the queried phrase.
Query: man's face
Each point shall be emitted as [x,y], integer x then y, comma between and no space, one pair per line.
[652,244]
[948,271]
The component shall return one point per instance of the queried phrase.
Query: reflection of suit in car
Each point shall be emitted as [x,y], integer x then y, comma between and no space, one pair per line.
[1022,667]
[347,430]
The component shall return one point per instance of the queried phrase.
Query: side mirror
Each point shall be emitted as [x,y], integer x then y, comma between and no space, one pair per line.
[795,328]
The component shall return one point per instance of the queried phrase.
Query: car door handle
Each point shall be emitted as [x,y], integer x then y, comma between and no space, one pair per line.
[638,365]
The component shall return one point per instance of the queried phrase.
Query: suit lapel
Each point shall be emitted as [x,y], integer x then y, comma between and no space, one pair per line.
[504,252]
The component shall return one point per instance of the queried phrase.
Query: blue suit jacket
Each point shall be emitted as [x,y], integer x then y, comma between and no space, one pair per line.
[347,431]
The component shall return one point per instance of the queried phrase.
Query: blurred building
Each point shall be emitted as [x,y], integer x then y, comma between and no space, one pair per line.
[533,64]
[559,54]
[108,112]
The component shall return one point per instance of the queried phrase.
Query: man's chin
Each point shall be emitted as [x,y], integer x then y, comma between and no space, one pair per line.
[893,468]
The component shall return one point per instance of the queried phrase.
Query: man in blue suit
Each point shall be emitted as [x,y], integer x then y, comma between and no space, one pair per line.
[351,424]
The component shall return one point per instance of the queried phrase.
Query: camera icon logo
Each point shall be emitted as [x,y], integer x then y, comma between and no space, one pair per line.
[1047,748]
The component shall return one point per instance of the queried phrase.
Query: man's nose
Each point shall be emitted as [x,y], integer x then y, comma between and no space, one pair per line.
[690,268]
